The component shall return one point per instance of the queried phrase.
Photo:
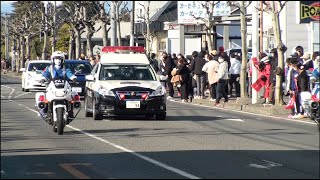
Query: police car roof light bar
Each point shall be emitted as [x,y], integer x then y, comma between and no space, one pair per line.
[114,49]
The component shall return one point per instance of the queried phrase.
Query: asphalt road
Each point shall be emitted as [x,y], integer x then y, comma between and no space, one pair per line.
[194,142]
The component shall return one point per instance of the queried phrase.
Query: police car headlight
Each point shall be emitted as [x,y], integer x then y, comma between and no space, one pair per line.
[160,91]
[105,92]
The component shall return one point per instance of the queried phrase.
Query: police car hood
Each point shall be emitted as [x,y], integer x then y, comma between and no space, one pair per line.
[113,84]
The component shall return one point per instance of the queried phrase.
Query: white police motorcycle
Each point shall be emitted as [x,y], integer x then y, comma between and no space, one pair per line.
[60,101]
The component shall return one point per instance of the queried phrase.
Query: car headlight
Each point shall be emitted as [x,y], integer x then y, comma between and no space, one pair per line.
[160,91]
[105,92]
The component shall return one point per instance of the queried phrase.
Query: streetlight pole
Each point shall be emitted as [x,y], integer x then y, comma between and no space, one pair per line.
[113,24]
[54,27]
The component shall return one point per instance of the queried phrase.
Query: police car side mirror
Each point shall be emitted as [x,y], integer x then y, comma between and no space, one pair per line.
[90,77]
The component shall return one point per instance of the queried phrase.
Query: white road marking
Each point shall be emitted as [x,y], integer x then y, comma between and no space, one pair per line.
[275,117]
[23,94]
[7,86]
[178,171]
[268,165]
[3,96]
[240,120]
[9,97]
[155,162]
[28,108]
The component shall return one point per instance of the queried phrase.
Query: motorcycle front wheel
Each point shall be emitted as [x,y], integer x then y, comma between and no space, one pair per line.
[60,120]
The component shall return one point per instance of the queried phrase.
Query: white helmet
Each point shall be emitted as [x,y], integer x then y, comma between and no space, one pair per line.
[57,58]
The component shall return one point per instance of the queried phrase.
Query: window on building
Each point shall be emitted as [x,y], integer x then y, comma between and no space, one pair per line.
[162,46]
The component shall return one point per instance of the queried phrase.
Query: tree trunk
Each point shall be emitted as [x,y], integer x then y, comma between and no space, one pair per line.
[89,34]
[22,46]
[118,25]
[45,45]
[78,43]
[28,47]
[18,54]
[71,41]
[243,72]
[104,33]
[276,28]
[209,37]
[132,24]
[89,43]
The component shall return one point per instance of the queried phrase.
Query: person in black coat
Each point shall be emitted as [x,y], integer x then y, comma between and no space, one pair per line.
[183,70]
[200,75]
[169,65]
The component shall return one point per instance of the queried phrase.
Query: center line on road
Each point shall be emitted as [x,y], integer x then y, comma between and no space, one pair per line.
[155,162]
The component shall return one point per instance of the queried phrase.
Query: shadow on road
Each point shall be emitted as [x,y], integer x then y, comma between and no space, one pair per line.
[243,164]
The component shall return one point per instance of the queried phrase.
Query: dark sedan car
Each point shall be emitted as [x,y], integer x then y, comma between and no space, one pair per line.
[80,68]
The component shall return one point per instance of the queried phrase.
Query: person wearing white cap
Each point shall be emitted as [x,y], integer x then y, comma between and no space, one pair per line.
[307,62]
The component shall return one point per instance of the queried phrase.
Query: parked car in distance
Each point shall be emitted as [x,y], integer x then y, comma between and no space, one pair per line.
[31,75]
[80,68]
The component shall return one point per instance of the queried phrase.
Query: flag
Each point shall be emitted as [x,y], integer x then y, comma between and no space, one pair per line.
[258,85]
[315,93]
[292,102]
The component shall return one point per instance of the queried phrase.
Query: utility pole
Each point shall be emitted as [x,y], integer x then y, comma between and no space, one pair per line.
[255,49]
[6,37]
[113,24]
[54,27]
[132,24]
[261,26]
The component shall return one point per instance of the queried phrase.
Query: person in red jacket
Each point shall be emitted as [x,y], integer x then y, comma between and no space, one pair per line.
[264,68]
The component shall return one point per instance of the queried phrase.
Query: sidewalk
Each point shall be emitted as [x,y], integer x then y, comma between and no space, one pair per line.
[12,74]
[234,104]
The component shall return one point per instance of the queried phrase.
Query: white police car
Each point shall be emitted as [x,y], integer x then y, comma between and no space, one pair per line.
[124,84]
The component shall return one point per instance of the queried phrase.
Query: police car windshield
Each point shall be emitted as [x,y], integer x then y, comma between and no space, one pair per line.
[127,72]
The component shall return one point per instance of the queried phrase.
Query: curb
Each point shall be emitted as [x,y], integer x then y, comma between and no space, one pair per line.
[251,108]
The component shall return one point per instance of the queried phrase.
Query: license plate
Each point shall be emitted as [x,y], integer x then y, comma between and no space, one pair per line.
[76,89]
[132,104]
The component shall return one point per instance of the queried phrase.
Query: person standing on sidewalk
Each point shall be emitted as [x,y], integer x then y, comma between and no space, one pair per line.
[223,80]
[211,68]
[272,76]
[184,72]
[200,75]
[169,65]
[234,72]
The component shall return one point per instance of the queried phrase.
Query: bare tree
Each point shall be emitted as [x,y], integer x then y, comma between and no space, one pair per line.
[270,8]
[209,21]
[103,18]
[75,17]
[243,23]
[147,20]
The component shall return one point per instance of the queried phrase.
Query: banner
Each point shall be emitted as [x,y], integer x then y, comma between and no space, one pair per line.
[308,11]
[188,10]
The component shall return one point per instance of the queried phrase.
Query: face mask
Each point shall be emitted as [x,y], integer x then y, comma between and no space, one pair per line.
[220,60]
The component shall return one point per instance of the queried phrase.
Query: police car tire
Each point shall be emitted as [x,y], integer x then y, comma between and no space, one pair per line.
[26,90]
[86,113]
[95,114]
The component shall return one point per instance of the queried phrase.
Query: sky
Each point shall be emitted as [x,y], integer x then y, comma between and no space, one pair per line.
[6,6]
